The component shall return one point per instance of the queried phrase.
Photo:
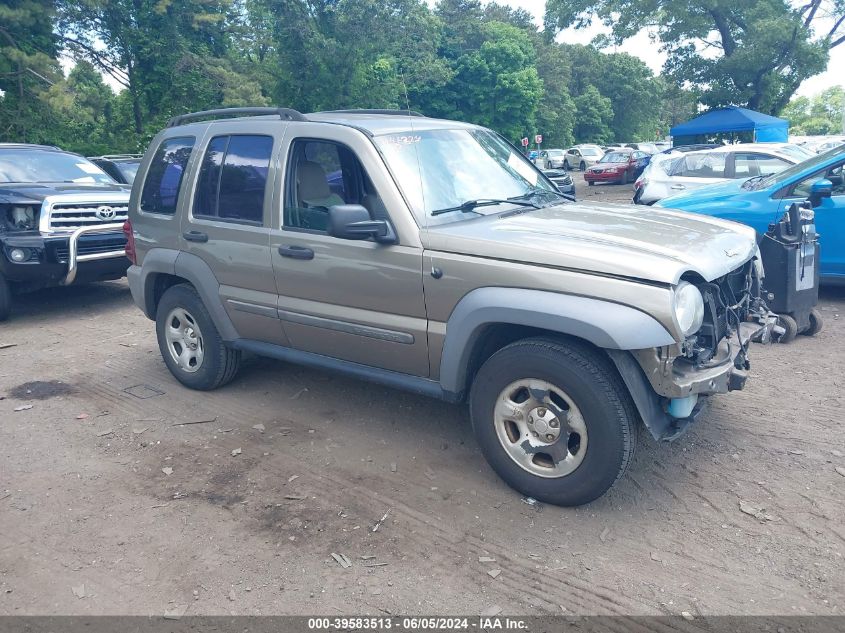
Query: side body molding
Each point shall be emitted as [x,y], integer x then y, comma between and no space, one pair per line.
[606,325]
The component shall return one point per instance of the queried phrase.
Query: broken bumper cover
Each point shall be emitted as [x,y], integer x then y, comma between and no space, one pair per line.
[655,382]
[675,377]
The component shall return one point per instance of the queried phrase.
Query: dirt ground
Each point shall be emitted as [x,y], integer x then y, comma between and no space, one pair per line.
[123,492]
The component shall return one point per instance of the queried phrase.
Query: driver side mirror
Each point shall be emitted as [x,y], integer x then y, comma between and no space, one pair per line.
[353,222]
[819,190]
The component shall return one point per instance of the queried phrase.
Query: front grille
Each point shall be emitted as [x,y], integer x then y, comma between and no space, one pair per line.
[65,216]
[86,249]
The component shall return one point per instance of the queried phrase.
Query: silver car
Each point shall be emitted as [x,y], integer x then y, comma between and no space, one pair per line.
[672,173]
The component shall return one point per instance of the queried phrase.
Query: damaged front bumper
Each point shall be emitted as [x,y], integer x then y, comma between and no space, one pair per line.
[670,392]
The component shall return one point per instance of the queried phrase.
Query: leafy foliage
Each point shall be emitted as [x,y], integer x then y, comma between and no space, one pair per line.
[821,114]
[480,62]
[747,52]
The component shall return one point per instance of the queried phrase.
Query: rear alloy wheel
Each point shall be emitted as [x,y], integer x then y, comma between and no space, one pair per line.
[5,299]
[554,420]
[190,344]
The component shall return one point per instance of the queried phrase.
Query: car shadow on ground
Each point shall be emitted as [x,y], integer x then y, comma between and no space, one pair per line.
[70,301]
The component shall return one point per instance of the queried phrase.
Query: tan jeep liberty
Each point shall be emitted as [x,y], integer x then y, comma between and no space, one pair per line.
[430,255]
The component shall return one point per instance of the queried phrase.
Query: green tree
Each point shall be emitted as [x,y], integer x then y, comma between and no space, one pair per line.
[820,114]
[498,84]
[750,52]
[594,116]
[28,67]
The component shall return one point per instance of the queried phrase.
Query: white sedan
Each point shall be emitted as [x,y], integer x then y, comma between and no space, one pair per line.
[672,173]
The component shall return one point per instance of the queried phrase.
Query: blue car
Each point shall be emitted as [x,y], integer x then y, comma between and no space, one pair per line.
[762,200]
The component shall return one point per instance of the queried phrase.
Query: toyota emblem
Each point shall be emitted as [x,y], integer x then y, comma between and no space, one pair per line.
[105,213]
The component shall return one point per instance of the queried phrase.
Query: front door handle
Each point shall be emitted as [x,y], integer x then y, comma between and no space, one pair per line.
[195,236]
[296,252]
[677,187]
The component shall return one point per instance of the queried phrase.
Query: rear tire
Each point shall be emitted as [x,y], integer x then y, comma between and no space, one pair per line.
[5,299]
[624,180]
[816,323]
[575,428]
[591,183]
[790,326]
[190,344]
[583,166]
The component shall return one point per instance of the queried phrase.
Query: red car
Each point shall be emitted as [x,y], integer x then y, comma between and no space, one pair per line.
[619,166]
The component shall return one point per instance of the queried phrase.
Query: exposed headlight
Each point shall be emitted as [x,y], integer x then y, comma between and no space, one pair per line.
[688,307]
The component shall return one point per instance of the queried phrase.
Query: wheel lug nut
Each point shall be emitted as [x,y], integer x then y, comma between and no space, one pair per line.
[553,423]
[541,412]
[530,420]
[534,433]
[550,437]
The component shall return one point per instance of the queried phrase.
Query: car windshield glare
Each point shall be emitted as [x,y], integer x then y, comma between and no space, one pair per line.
[445,168]
[43,165]
[756,183]
[616,157]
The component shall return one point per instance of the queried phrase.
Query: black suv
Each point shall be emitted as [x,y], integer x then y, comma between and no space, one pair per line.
[121,167]
[61,221]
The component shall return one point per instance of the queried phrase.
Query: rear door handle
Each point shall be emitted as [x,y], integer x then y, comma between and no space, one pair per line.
[296,252]
[195,236]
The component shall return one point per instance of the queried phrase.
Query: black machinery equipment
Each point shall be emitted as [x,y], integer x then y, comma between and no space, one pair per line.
[790,254]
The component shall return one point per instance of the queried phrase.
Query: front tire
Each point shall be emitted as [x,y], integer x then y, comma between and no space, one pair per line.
[554,420]
[583,166]
[190,344]
[566,165]
[5,299]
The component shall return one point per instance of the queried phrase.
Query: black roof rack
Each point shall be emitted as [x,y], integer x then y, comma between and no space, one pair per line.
[286,114]
[376,111]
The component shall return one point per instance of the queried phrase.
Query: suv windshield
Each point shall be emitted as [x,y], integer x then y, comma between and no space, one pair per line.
[444,169]
[44,165]
[590,151]
[616,157]
[756,183]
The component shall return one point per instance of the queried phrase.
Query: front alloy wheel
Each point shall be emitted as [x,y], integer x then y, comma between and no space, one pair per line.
[554,419]
[541,428]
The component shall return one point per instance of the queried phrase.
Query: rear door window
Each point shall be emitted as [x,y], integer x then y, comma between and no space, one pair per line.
[233,179]
[164,177]
[701,166]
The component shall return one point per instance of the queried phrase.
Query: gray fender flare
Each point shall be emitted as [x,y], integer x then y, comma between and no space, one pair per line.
[605,324]
[197,272]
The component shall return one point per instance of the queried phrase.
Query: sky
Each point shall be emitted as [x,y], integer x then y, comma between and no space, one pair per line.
[642,47]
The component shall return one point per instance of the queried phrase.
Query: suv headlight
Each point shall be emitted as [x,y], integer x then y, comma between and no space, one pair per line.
[688,306]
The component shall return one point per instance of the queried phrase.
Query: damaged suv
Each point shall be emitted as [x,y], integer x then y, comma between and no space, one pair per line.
[430,255]
[61,220]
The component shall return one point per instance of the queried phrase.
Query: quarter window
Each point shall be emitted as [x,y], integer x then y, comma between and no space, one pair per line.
[164,177]
[233,178]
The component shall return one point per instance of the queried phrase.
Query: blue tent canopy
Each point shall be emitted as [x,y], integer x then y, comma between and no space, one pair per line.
[766,129]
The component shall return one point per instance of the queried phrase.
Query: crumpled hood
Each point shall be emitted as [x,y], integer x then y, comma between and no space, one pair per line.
[28,193]
[624,240]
